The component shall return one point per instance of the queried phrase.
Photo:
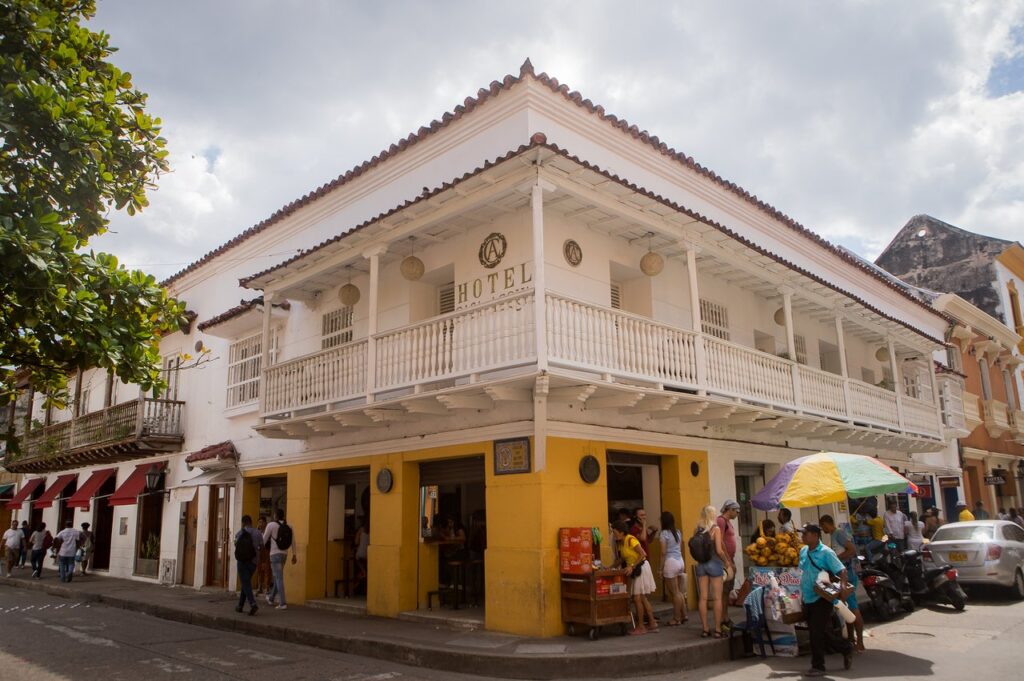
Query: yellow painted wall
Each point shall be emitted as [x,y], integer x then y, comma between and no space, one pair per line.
[524,514]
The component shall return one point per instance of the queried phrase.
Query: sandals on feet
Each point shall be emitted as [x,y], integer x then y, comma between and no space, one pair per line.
[705,634]
[638,631]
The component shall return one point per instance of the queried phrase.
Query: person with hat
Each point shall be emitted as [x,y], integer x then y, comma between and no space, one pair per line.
[965,515]
[846,551]
[730,511]
[815,557]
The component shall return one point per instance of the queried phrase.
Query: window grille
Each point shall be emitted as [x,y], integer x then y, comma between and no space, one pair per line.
[714,319]
[801,348]
[616,295]
[337,328]
[446,298]
[244,358]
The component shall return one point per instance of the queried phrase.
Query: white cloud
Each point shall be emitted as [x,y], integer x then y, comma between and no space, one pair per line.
[850,117]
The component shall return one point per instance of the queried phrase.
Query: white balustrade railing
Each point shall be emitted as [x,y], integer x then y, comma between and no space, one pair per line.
[871,404]
[586,336]
[746,373]
[920,416]
[490,336]
[314,380]
[822,392]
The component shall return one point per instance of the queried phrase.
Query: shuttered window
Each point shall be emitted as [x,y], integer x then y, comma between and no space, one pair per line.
[452,471]
[616,295]
[244,358]
[801,348]
[714,319]
[446,298]
[337,328]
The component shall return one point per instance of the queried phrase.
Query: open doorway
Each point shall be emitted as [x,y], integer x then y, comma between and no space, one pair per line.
[348,533]
[749,481]
[103,524]
[218,544]
[634,482]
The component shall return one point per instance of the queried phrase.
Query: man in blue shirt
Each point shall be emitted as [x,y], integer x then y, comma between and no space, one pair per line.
[815,557]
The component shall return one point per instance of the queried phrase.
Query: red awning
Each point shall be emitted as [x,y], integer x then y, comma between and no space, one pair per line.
[24,493]
[45,499]
[83,497]
[129,491]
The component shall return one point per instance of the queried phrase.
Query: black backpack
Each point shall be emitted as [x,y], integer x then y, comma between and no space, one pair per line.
[702,548]
[245,550]
[284,536]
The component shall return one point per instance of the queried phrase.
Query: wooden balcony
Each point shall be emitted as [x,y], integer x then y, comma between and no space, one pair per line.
[124,431]
[996,417]
[334,389]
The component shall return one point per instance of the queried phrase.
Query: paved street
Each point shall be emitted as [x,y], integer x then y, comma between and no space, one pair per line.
[45,638]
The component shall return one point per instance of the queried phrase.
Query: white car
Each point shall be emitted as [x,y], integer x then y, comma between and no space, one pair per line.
[982,551]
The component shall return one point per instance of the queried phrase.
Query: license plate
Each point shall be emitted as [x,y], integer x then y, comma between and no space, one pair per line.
[958,556]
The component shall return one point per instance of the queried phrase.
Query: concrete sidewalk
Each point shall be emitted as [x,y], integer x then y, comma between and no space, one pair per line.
[438,647]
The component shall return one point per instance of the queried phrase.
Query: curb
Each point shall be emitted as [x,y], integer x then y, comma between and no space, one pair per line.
[539,666]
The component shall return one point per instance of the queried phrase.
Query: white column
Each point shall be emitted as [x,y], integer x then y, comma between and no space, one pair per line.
[843,367]
[540,403]
[935,392]
[699,351]
[787,311]
[268,303]
[373,255]
[897,380]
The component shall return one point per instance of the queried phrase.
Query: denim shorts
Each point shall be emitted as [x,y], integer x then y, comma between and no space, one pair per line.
[712,568]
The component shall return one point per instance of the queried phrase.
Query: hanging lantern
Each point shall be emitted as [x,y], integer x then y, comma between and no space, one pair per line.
[652,263]
[882,354]
[780,316]
[412,267]
[349,293]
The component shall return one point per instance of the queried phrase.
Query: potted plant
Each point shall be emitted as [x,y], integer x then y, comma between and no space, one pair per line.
[148,562]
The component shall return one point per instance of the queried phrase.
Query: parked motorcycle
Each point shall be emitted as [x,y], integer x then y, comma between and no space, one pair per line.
[938,583]
[885,582]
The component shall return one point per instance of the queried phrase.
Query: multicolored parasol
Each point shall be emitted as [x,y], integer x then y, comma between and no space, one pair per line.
[828,477]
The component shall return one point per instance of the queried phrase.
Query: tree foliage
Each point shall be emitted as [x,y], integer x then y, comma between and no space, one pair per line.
[75,143]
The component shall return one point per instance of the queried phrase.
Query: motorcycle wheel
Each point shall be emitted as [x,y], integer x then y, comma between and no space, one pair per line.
[882,608]
[953,594]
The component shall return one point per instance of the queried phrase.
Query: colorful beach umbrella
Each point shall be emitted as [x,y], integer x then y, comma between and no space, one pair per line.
[828,477]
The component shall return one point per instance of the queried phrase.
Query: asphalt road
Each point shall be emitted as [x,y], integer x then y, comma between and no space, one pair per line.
[44,638]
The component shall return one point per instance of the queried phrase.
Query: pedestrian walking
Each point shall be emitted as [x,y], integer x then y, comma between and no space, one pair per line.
[263,576]
[964,514]
[26,532]
[40,541]
[673,568]
[67,542]
[707,549]
[846,551]
[247,553]
[979,511]
[915,532]
[814,558]
[895,522]
[88,546]
[279,537]
[730,511]
[633,557]
[14,542]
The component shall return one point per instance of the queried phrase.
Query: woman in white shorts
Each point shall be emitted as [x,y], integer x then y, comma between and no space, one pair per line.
[673,569]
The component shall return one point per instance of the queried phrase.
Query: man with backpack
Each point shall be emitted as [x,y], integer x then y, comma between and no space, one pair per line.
[248,541]
[41,541]
[279,536]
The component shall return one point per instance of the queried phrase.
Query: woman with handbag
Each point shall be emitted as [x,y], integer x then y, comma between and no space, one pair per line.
[707,549]
[633,557]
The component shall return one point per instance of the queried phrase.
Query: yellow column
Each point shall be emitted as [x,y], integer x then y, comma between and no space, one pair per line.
[685,490]
[307,514]
[394,539]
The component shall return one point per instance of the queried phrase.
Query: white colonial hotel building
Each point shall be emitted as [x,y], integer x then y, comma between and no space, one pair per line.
[475,317]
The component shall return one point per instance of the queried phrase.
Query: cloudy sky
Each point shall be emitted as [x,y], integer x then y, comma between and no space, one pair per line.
[849,116]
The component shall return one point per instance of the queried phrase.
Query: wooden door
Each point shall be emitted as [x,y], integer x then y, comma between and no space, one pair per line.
[188,567]
[218,557]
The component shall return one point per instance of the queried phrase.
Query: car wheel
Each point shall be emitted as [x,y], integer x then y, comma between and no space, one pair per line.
[1018,586]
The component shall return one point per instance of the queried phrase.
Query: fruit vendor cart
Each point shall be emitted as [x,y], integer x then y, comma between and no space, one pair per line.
[592,596]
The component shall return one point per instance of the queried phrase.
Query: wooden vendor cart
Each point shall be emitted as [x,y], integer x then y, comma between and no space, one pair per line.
[595,599]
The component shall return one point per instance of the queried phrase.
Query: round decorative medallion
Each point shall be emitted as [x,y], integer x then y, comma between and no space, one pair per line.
[492,250]
[590,469]
[572,252]
[384,480]
[694,468]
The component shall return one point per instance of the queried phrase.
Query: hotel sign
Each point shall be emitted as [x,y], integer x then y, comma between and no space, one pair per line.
[512,456]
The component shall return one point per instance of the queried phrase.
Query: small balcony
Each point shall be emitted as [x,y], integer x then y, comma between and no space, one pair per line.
[972,411]
[1017,424]
[419,369]
[124,431]
[996,417]
[954,402]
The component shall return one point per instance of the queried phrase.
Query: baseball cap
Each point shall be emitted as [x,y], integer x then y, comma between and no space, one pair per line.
[811,527]
[730,503]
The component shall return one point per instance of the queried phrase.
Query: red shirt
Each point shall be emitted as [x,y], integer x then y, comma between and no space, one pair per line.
[728,536]
[637,531]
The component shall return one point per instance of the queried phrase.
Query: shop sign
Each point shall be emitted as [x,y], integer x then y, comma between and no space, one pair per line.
[506,282]
[995,479]
[919,478]
[512,456]
[924,492]
[949,483]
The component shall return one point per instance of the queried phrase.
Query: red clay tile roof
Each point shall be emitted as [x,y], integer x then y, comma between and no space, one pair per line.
[540,140]
[243,307]
[496,87]
[223,450]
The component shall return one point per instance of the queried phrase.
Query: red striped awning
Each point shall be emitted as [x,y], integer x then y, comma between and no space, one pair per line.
[83,497]
[47,498]
[24,493]
[129,491]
